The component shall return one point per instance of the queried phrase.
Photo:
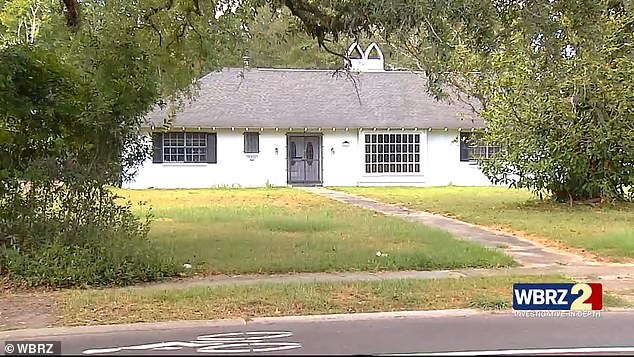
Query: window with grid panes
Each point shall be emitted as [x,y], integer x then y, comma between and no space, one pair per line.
[473,148]
[392,153]
[184,147]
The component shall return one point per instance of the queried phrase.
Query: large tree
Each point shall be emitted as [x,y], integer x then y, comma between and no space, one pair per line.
[73,96]
[553,79]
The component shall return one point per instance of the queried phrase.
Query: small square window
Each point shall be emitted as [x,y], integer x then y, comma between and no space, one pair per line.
[251,142]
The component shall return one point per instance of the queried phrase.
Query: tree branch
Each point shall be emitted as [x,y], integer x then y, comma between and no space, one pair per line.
[72,11]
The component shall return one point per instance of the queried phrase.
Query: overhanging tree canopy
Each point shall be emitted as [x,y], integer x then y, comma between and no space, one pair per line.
[552,77]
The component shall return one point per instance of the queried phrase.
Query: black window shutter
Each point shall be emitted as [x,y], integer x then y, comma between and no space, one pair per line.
[464,146]
[157,146]
[211,148]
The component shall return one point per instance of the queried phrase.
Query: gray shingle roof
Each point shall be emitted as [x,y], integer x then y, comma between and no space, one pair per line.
[268,98]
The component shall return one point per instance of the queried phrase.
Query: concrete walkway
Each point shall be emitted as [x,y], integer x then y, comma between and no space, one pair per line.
[616,277]
[525,252]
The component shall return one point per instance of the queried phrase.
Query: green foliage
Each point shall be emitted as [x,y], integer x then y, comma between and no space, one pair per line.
[71,107]
[274,40]
[489,302]
[106,262]
[566,125]
[21,21]
[553,79]
[73,236]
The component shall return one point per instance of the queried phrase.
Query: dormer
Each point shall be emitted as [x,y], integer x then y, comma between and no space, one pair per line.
[370,60]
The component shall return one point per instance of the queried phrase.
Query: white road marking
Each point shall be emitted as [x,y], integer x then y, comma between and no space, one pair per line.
[253,347]
[227,342]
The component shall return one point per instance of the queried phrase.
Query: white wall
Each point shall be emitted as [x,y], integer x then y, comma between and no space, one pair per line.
[440,164]
[443,162]
[342,167]
[232,167]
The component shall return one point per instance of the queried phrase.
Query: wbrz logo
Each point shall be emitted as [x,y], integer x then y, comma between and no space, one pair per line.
[555,296]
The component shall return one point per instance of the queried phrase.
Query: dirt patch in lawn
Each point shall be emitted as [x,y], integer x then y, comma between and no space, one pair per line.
[20,310]
[277,197]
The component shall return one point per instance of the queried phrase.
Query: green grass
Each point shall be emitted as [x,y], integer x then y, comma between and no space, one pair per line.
[608,232]
[611,300]
[145,305]
[90,307]
[280,230]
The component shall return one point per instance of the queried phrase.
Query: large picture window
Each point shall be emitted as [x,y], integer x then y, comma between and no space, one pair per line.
[473,147]
[392,153]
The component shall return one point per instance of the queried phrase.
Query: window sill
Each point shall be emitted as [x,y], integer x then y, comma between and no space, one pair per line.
[181,164]
[400,174]
[473,164]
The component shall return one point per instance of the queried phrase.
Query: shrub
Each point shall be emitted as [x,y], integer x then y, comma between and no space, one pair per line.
[113,261]
[66,244]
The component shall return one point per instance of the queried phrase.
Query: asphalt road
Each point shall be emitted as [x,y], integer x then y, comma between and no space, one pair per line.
[478,334]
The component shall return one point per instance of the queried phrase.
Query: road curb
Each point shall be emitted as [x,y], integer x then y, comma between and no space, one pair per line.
[169,325]
[102,329]
[370,316]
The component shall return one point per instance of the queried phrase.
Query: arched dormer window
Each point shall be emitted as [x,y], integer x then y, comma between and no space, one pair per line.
[364,61]
[355,52]
[373,52]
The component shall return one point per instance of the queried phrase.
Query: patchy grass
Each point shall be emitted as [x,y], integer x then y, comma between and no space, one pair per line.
[491,302]
[141,305]
[612,300]
[280,230]
[607,232]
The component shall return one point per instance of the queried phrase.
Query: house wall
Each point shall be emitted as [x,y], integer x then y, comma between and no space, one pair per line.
[342,165]
[443,162]
[341,168]
[233,168]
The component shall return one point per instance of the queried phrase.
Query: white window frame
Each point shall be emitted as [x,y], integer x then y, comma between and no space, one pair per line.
[398,162]
[194,149]
[488,149]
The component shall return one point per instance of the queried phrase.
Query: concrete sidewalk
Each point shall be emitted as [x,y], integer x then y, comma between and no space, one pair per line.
[616,277]
[525,252]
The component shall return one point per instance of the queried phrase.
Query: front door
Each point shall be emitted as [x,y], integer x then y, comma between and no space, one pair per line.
[304,159]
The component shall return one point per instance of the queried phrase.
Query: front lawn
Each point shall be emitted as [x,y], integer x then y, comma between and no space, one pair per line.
[607,232]
[117,306]
[280,230]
